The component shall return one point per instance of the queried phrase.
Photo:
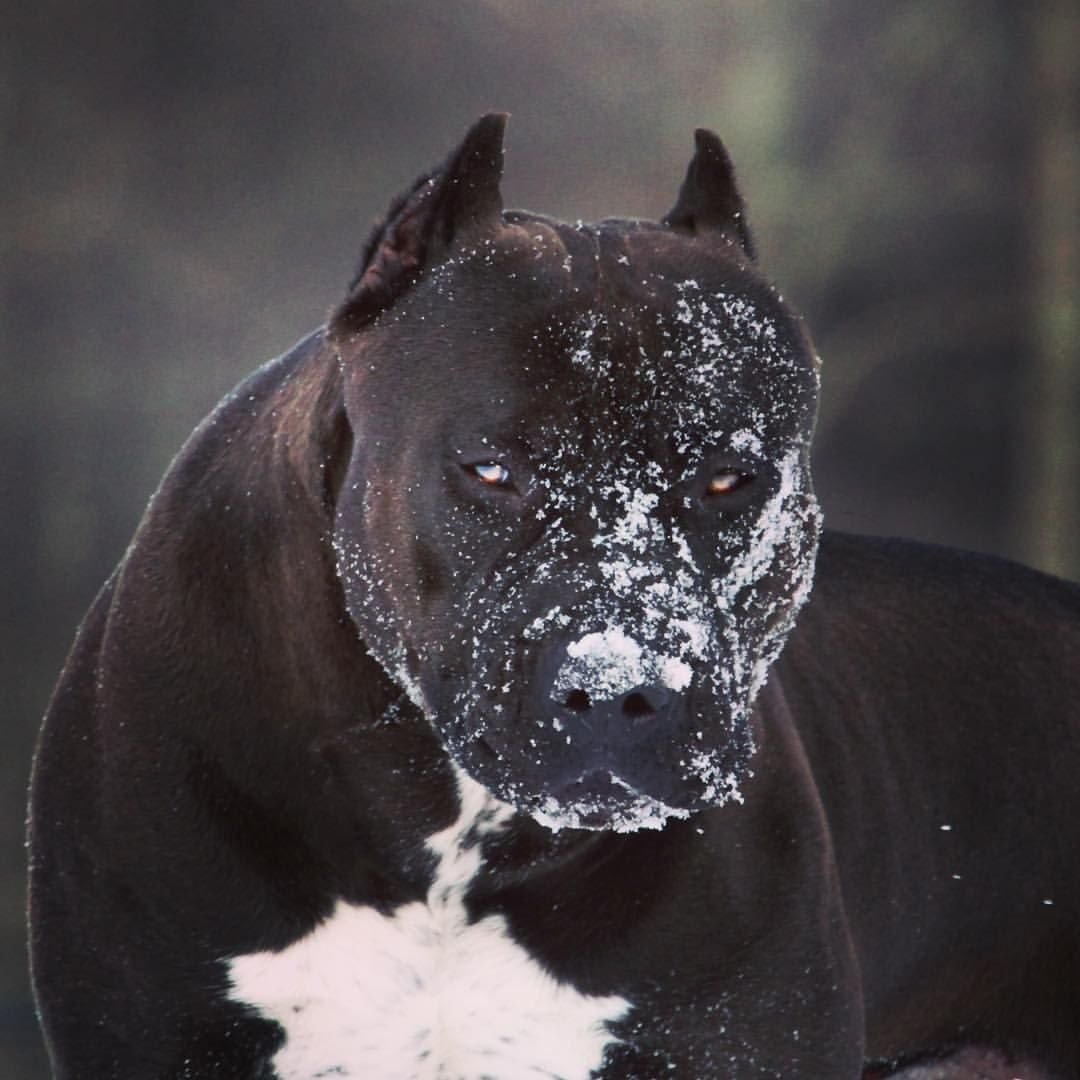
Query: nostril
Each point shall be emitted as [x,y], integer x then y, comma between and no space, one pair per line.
[578,701]
[637,706]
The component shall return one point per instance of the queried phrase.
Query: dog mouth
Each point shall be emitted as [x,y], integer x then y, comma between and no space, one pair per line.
[600,800]
[612,766]
[596,793]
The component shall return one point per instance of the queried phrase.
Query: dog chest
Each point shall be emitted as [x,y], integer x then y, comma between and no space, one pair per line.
[422,994]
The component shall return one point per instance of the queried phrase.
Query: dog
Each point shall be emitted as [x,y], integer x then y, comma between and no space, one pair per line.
[481,698]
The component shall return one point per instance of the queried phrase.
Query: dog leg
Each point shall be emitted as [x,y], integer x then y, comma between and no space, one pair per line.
[970,1063]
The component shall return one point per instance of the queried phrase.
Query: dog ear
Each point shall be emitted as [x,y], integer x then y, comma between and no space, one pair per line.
[708,199]
[459,198]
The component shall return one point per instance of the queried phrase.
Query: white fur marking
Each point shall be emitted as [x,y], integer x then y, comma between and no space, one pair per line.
[422,994]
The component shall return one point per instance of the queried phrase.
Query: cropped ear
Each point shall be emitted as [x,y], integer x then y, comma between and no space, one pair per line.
[708,199]
[459,198]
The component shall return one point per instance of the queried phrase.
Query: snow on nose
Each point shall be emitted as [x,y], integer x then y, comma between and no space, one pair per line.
[606,664]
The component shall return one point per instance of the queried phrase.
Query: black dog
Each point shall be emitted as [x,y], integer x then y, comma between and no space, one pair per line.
[433,725]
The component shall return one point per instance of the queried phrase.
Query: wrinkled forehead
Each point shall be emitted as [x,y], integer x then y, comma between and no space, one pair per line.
[576,332]
[705,364]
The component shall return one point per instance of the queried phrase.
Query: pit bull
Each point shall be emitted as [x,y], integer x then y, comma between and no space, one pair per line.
[480,698]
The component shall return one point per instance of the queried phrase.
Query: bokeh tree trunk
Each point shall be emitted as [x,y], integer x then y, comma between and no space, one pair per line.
[1050,474]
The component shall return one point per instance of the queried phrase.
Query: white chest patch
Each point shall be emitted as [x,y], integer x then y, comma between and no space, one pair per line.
[422,994]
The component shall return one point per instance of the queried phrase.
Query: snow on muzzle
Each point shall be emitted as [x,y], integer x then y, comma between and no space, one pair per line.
[609,665]
[620,721]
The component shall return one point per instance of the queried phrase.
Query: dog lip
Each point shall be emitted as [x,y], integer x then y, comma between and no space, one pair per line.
[594,795]
[600,786]
[592,783]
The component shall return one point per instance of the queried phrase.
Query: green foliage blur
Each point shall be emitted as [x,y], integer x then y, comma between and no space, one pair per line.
[185,188]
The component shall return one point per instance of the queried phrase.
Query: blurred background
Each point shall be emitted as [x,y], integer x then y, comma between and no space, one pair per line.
[185,188]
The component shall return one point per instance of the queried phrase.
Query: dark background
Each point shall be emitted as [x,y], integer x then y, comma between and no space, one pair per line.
[185,187]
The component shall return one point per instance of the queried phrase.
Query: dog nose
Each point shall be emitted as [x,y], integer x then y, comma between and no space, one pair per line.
[639,705]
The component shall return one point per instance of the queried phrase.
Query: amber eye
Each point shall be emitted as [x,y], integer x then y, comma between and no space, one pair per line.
[728,481]
[492,473]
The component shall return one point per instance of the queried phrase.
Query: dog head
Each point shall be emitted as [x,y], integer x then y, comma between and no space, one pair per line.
[577,522]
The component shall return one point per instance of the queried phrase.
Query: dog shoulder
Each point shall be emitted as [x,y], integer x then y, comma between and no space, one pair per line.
[919,610]
[897,575]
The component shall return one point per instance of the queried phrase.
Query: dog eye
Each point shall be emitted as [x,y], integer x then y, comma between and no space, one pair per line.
[492,473]
[727,482]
